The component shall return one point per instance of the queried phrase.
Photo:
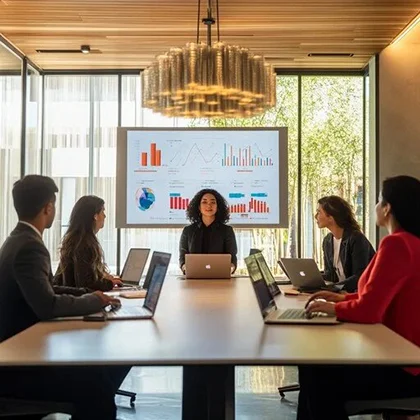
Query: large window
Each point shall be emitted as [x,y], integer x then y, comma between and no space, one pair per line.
[10,136]
[332,150]
[81,115]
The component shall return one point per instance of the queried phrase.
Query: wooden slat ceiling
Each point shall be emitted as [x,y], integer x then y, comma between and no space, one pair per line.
[130,33]
[8,61]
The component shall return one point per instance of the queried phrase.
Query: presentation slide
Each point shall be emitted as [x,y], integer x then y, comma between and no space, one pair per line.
[166,168]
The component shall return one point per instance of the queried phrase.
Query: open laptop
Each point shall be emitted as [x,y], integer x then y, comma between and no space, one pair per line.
[147,310]
[134,267]
[273,315]
[208,266]
[305,275]
[257,267]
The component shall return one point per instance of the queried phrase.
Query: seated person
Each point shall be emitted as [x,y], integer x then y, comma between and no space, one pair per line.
[388,293]
[81,256]
[347,252]
[208,233]
[27,297]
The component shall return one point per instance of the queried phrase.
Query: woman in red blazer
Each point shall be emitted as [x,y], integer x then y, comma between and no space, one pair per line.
[388,293]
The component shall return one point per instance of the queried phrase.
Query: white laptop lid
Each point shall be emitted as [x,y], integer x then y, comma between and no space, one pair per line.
[134,265]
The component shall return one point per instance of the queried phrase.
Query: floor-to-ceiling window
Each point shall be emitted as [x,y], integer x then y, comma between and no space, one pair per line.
[10,135]
[332,150]
[81,115]
[79,149]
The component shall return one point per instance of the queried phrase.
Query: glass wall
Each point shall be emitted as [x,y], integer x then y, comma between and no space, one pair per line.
[33,121]
[81,115]
[10,135]
[332,150]
[79,150]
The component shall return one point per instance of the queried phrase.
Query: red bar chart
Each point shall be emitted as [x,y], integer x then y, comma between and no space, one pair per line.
[176,202]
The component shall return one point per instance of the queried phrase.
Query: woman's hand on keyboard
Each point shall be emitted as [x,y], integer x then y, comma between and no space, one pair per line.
[320,306]
[107,300]
[328,296]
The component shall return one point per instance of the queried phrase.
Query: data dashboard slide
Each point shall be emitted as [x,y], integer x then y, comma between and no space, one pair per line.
[164,169]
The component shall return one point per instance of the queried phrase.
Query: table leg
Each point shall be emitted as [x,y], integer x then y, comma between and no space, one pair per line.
[208,392]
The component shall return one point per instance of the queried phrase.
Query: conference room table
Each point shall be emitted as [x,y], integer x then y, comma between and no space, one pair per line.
[208,327]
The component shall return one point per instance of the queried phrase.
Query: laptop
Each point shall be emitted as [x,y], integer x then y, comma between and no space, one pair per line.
[134,267]
[257,266]
[147,310]
[208,266]
[273,315]
[305,275]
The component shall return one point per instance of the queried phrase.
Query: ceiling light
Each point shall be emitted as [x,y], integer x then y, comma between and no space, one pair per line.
[209,80]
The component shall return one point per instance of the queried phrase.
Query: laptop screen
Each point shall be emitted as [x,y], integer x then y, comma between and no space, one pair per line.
[155,287]
[161,258]
[265,270]
[264,297]
[134,265]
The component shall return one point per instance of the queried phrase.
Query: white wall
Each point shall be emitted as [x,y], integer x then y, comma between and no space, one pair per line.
[399,107]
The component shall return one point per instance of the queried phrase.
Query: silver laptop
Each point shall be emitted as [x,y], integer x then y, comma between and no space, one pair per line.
[304,274]
[134,267]
[146,311]
[257,267]
[273,315]
[208,266]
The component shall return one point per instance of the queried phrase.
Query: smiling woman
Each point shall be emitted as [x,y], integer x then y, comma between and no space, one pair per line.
[208,212]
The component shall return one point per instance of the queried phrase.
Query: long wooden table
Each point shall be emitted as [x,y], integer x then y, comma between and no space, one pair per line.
[209,327]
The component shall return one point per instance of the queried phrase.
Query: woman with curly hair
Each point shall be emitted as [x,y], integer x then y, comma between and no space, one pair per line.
[208,233]
[81,256]
[347,251]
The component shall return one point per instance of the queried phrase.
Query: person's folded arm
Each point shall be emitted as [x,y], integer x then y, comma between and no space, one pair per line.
[231,247]
[387,277]
[32,269]
[183,247]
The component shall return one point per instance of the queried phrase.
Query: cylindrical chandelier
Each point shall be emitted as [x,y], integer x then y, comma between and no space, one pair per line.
[205,80]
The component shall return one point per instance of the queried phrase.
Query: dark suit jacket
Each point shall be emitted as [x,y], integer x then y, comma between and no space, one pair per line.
[222,241]
[355,254]
[26,293]
[81,273]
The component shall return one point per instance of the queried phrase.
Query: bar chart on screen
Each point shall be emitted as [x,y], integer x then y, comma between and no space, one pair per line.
[244,166]
[177,202]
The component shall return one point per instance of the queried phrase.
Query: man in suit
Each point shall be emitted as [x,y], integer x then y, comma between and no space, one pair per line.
[27,297]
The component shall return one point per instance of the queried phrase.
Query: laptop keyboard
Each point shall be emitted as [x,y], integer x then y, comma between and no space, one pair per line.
[127,311]
[293,314]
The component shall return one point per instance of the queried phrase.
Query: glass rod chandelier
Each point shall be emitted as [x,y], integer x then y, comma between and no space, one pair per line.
[209,80]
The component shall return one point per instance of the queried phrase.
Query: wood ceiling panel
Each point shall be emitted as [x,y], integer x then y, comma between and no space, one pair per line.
[130,33]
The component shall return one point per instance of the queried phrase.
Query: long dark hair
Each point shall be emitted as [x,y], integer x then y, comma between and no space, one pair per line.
[81,237]
[341,211]
[193,210]
[403,194]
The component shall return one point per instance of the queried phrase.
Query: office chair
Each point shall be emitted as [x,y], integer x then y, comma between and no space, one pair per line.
[131,395]
[288,388]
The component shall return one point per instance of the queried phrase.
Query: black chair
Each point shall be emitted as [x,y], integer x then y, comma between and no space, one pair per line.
[131,395]
[288,388]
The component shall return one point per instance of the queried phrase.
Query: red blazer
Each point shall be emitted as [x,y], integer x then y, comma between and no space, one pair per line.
[389,289]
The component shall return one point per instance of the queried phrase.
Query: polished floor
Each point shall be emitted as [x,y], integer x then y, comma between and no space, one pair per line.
[159,394]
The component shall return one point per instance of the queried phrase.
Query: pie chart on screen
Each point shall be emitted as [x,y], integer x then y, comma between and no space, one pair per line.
[145,198]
